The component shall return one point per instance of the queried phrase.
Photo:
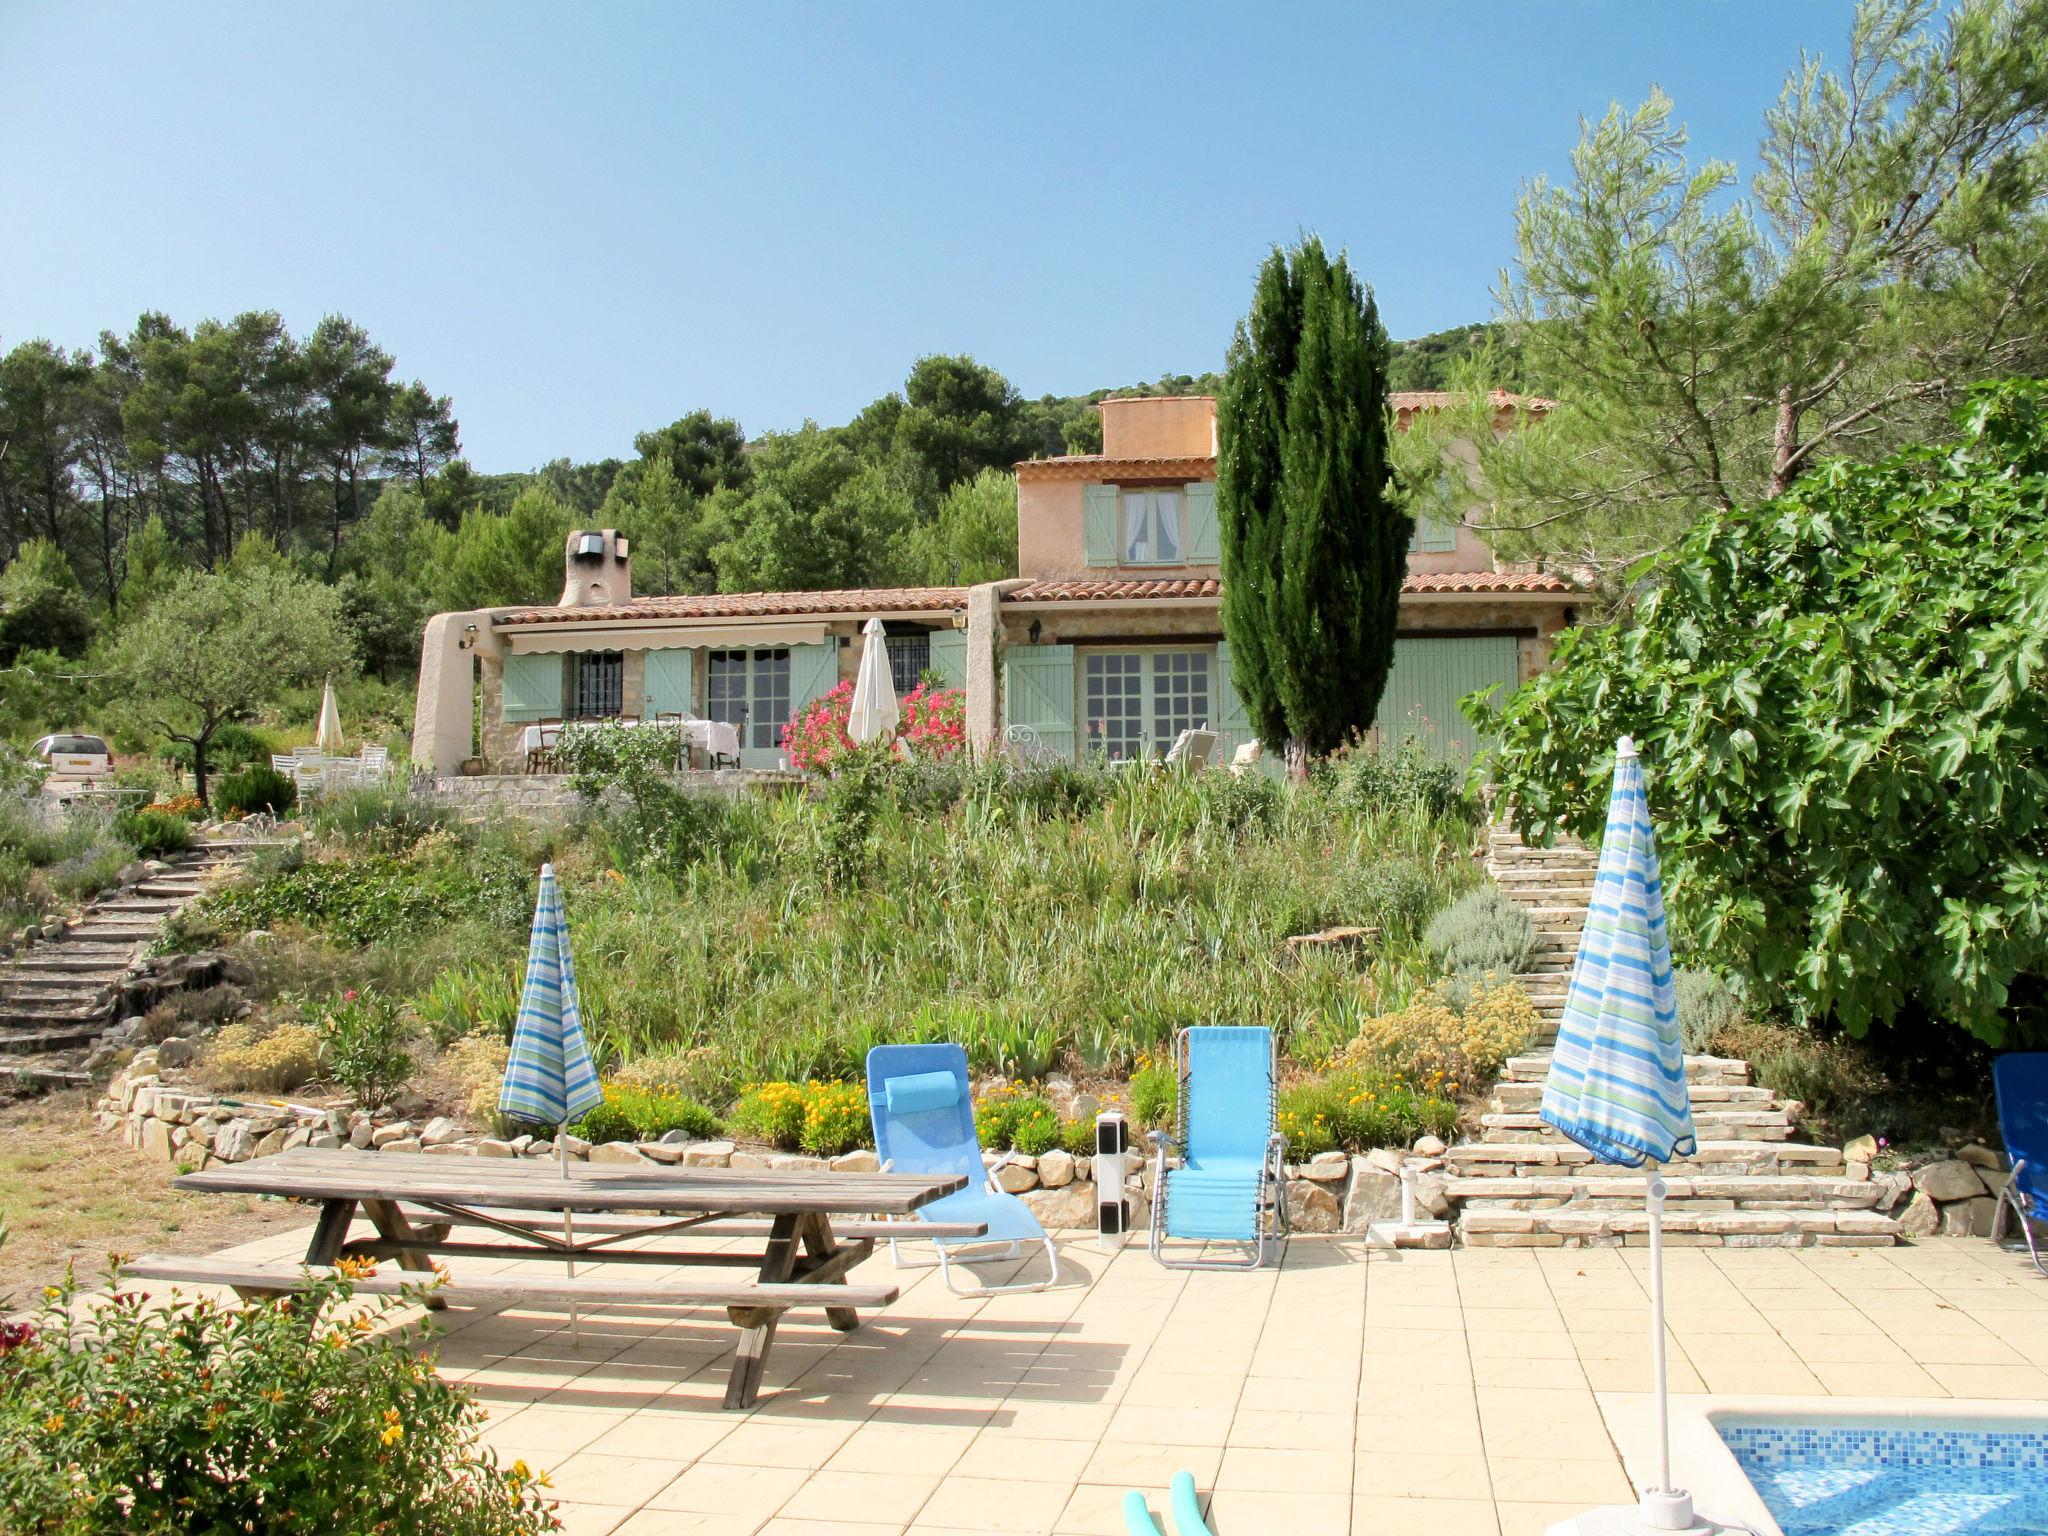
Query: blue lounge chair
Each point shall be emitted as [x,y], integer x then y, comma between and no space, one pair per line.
[1187,1511]
[923,1109]
[2021,1078]
[1232,1183]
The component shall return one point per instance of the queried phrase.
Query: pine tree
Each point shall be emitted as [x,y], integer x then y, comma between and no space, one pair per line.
[1314,530]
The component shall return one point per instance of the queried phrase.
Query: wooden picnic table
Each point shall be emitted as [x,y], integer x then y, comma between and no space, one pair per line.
[418,1200]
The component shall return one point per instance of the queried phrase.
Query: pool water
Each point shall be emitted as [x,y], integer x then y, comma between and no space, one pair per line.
[1822,1479]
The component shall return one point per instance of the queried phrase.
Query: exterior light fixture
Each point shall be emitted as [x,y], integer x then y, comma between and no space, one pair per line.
[468,640]
[1035,631]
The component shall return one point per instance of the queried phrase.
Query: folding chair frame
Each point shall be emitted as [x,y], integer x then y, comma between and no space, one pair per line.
[945,1261]
[1270,1221]
[2012,1202]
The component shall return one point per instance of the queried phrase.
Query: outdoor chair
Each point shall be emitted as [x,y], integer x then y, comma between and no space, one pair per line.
[1246,758]
[923,1109]
[1192,748]
[1231,1186]
[2021,1078]
[284,763]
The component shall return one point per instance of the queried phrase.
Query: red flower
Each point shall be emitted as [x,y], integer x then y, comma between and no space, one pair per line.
[16,1336]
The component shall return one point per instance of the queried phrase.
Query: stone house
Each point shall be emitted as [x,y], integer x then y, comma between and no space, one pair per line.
[1108,641]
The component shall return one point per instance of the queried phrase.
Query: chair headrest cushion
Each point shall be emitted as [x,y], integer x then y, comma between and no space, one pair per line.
[922,1090]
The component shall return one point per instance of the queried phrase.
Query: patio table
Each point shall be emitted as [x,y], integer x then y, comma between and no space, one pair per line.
[514,1199]
[716,739]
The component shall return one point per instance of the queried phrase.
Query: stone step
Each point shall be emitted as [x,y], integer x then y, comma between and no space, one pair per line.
[1526,1098]
[178,890]
[1763,1124]
[1507,1160]
[1706,1228]
[149,906]
[42,986]
[1783,1191]
[1534,1067]
[55,958]
[37,1036]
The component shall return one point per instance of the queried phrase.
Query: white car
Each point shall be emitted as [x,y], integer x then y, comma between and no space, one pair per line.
[76,762]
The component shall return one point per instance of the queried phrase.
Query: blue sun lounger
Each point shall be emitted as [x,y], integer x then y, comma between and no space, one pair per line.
[923,1108]
[2021,1078]
[1187,1511]
[1232,1183]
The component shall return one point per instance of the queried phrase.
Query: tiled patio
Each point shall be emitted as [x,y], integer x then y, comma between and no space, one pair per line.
[1437,1394]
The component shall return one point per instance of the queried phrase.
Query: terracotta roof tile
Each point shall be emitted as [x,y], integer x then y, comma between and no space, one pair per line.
[1115,589]
[1095,466]
[753,605]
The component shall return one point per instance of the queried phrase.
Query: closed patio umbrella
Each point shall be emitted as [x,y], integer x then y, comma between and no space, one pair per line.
[1617,1081]
[874,714]
[549,1078]
[328,736]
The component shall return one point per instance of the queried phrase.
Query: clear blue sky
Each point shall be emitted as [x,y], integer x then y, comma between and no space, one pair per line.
[584,220]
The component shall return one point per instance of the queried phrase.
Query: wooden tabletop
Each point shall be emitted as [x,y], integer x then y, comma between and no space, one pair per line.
[308,1173]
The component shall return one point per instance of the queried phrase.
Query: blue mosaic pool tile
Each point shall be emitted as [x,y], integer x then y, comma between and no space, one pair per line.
[1837,1480]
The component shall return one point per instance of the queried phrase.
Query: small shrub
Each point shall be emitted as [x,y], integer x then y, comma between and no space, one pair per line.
[1155,1095]
[476,1062]
[1059,790]
[367,1049]
[154,833]
[1393,895]
[459,1003]
[1008,1119]
[1707,1006]
[1371,777]
[679,1073]
[193,1416]
[631,1114]
[1481,931]
[771,1112]
[1429,1047]
[1078,1137]
[260,1058]
[259,787]
[232,746]
[835,1118]
[1358,1110]
[376,818]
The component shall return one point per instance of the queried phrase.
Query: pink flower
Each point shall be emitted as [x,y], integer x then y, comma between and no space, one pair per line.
[349,996]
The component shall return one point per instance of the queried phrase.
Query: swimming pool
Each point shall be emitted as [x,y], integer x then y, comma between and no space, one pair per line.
[1872,1479]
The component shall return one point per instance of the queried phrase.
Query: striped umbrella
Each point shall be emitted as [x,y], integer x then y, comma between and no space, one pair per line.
[1617,1079]
[549,1078]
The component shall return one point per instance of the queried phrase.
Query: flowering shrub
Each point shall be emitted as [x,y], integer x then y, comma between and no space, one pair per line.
[191,807]
[266,1059]
[934,726]
[1358,1110]
[1436,1050]
[935,721]
[823,1117]
[366,1046]
[1006,1117]
[200,1417]
[636,1114]
[817,735]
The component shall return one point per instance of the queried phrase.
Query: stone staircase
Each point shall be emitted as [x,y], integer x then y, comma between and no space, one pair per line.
[1555,884]
[1749,1185]
[57,996]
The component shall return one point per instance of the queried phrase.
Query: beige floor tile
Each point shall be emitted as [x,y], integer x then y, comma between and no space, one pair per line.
[766,1443]
[990,1504]
[589,1477]
[1283,1471]
[1495,1344]
[1151,1466]
[1171,1426]
[1423,1517]
[1278,1394]
[1096,1509]
[1637,1376]
[1283,1429]
[1174,1389]
[2029,1381]
[888,1498]
[1765,1378]
[1976,1348]
[590,1519]
[1420,1432]
[1563,1373]
[876,1447]
[1517,1519]
[1868,1348]
[665,1436]
[557,1433]
[1418,1475]
[731,1488]
[1854,1379]
[1578,1481]
[783,1526]
[1259,1512]
[1002,1454]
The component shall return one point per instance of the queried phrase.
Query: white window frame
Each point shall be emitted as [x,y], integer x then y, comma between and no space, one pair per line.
[763,708]
[1148,498]
[1152,739]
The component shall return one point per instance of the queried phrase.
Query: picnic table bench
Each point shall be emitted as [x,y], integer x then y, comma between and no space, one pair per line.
[416,1201]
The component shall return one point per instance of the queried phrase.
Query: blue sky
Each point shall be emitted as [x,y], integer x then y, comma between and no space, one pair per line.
[581,221]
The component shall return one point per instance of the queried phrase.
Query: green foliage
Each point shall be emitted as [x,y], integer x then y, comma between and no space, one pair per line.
[258,787]
[1708,1007]
[1155,1094]
[42,606]
[154,833]
[973,536]
[1846,750]
[1481,931]
[821,1116]
[193,1416]
[1357,1111]
[1371,777]
[1707,350]
[466,1000]
[232,747]
[770,1112]
[1314,533]
[1006,1119]
[377,897]
[49,860]
[258,1057]
[376,818]
[638,1114]
[368,1046]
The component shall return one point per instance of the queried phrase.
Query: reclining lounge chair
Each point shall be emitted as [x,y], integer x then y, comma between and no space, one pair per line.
[1232,1183]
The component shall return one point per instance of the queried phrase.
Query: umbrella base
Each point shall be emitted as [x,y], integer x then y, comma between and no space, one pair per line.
[1659,1514]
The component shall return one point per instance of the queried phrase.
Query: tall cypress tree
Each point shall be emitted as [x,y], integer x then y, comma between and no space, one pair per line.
[1314,529]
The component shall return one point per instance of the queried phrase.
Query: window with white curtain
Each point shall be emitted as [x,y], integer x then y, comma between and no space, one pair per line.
[1152,528]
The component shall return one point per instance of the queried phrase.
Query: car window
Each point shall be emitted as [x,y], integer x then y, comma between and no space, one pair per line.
[75,744]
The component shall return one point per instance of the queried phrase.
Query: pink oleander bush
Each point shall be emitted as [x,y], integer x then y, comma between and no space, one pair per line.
[934,726]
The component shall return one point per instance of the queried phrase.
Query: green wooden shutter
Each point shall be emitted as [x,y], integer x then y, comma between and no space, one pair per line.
[533,687]
[1438,538]
[1426,682]
[1203,547]
[813,673]
[1098,524]
[1038,691]
[668,681]
[949,656]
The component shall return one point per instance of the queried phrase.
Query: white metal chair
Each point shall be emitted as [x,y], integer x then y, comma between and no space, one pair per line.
[1192,748]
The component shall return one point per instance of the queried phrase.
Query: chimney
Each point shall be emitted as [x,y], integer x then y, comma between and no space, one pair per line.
[596,571]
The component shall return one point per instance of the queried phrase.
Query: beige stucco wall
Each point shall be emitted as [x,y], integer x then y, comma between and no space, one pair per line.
[1050,543]
[1159,427]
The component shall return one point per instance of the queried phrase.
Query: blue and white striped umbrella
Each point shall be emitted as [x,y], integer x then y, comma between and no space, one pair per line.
[549,1078]
[1617,1079]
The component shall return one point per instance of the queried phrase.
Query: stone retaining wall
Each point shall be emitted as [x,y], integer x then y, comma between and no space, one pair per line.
[550,796]
[188,1125]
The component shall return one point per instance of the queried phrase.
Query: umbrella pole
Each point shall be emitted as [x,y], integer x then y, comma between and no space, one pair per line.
[1659,1366]
[569,1236]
